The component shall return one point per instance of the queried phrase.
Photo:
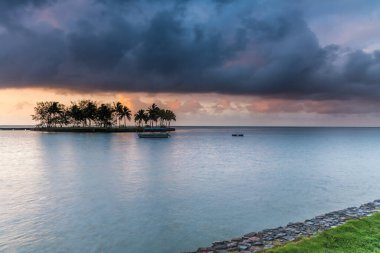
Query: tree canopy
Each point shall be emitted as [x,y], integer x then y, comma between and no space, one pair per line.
[87,113]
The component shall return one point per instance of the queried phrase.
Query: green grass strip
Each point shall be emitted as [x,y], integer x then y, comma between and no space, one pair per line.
[356,236]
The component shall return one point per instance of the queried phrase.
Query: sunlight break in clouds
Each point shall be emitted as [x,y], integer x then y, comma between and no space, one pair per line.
[203,109]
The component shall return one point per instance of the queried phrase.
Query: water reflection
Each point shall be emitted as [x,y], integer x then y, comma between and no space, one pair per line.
[117,193]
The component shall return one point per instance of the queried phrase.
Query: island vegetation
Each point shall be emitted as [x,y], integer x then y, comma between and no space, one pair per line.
[91,114]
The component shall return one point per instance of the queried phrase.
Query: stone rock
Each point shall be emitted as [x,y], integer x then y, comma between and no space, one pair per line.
[220,247]
[289,238]
[232,244]
[250,234]
[257,241]
[219,243]
[254,239]
[237,239]
[243,246]
[279,235]
[255,249]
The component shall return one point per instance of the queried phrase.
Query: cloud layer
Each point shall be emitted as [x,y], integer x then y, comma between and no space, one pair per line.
[262,48]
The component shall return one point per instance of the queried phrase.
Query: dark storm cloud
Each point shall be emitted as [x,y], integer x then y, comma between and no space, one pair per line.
[101,50]
[10,9]
[30,58]
[12,5]
[233,47]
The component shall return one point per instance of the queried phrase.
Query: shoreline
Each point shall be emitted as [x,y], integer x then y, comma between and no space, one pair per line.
[269,238]
[88,129]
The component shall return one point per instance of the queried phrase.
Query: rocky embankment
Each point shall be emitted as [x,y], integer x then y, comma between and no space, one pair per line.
[268,238]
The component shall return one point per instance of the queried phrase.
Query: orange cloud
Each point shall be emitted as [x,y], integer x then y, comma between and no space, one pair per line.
[275,106]
[314,106]
[16,106]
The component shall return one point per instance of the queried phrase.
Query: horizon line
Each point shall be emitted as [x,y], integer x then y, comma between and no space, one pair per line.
[226,126]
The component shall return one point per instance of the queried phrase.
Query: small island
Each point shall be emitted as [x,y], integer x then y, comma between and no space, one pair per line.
[91,116]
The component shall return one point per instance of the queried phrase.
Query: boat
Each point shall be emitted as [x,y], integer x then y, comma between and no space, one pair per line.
[237,135]
[153,135]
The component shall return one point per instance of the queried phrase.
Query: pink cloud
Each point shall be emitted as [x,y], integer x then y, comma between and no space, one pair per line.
[314,106]
[47,16]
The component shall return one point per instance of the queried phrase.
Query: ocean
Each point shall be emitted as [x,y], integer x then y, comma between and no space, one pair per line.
[114,192]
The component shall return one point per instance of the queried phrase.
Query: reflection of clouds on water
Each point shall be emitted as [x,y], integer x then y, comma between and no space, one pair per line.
[22,190]
[91,192]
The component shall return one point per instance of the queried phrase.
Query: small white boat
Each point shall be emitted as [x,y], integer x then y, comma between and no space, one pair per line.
[154,135]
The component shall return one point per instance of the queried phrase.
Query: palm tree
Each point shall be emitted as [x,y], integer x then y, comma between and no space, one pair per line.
[146,118]
[64,117]
[86,111]
[153,113]
[89,111]
[140,116]
[162,117]
[170,116]
[75,114]
[55,109]
[104,115]
[127,114]
[118,107]
[122,112]
[41,114]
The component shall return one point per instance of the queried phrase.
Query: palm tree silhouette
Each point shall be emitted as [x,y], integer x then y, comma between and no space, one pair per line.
[104,115]
[89,111]
[118,107]
[170,116]
[55,110]
[140,116]
[153,112]
[84,112]
[126,113]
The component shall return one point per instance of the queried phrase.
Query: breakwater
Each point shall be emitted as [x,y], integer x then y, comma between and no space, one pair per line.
[269,238]
[89,129]
[16,128]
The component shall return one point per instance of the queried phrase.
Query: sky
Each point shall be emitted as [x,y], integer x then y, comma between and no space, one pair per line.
[214,62]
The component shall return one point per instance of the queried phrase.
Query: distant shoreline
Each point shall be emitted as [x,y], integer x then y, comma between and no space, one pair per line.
[31,127]
[88,129]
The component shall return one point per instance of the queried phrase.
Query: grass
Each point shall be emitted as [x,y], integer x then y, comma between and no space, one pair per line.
[361,236]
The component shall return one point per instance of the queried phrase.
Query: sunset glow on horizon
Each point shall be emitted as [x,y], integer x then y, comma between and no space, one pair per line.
[201,109]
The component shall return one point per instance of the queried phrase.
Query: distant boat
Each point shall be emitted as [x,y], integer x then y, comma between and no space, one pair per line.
[153,135]
[237,135]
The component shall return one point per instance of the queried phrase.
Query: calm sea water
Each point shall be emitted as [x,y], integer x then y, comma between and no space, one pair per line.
[71,192]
